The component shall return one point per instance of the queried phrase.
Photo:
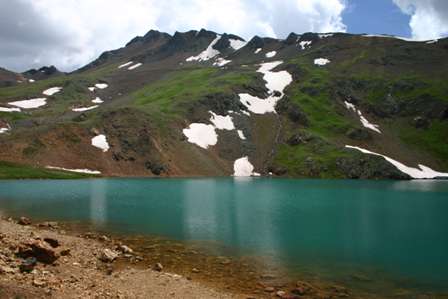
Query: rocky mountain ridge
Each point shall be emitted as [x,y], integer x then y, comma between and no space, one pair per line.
[198,103]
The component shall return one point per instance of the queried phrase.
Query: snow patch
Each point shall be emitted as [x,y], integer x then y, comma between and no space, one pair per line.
[133,67]
[31,80]
[241,135]
[432,41]
[325,35]
[87,171]
[321,61]
[100,141]
[97,100]
[92,89]
[271,54]
[125,64]
[201,134]
[4,109]
[30,104]
[222,122]
[275,82]
[243,168]
[5,129]
[258,50]
[237,44]
[423,172]
[82,109]
[51,91]
[101,85]
[221,62]
[305,43]
[363,120]
[208,53]
[389,36]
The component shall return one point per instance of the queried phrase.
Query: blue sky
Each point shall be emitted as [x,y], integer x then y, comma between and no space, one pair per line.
[376,17]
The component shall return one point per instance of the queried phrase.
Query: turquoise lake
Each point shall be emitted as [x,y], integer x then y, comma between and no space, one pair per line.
[389,230]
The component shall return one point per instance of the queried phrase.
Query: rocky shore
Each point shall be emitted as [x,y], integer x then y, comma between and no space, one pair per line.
[43,261]
[53,260]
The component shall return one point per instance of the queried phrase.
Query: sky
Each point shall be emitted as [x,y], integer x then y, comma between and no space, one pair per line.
[71,33]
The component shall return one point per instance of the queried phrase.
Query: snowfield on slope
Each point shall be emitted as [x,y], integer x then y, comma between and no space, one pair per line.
[304,44]
[51,91]
[243,168]
[271,54]
[30,104]
[100,141]
[423,172]
[5,129]
[4,109]
[201,134]
[222,122]
[87,171]
[237,44]
[321,61]
[208,53]
[101,85]
[82,109]
[221,62]
[97,100]
[275,81]
[363,120]
[125,64]
[133,67]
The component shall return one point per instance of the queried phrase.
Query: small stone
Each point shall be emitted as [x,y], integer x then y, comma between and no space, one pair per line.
[65,252]
[104,238]
[194,270]
[24,221]
[125,249]
[39,283]
[269,289]
[158,267]
[281,294]
[108,256]
[6,270]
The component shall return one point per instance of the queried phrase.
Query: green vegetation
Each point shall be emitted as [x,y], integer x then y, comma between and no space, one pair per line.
[17,171]
[167,98]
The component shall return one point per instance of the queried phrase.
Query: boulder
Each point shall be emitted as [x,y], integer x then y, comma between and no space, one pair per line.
[40,250]
[125,249]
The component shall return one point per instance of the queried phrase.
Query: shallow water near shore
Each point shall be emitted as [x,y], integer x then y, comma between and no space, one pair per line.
[371,235]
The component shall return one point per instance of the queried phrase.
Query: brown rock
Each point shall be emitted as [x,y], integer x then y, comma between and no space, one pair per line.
[194,270]
[40,250]
[281,294]
[39,283]
[269,289]
[24,221]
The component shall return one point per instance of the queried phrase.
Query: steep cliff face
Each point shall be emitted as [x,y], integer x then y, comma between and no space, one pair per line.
[205,104]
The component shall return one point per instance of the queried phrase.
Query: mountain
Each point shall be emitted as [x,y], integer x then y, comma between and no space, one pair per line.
[9,78]
[42,73]
[199,103]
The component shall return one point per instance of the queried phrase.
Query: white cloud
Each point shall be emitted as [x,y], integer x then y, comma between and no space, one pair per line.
[74,32]
[429,18]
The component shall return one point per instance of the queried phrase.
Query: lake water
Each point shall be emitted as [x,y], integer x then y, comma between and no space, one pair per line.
[393,231]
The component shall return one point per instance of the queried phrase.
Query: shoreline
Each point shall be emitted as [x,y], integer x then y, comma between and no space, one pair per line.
[101,266]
